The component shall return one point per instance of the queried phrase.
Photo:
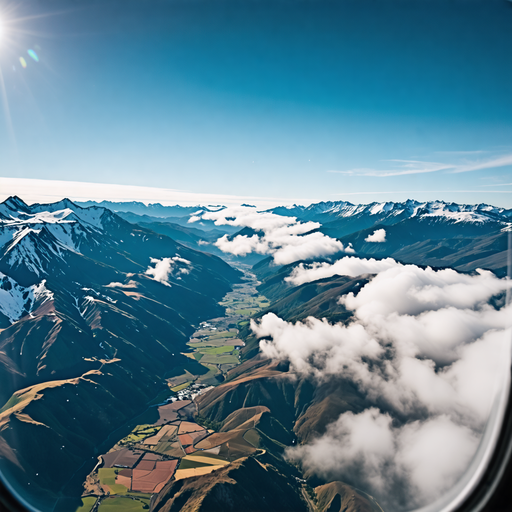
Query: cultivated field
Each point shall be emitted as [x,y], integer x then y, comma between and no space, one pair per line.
[141,463]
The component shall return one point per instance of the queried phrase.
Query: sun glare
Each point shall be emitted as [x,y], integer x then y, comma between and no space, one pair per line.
[2,30]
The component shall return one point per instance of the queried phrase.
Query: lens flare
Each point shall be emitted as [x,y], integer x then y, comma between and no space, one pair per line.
[33,54]
[23,62]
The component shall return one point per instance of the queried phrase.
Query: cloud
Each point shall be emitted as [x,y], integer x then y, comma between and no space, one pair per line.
[428,352]
[379,235]
[422,458]
[285,238]
[501,161]
[166,266]
[347,266]
[130,284]
[44,191]
[407,167]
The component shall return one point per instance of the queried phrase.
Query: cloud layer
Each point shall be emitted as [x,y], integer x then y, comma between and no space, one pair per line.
[285,238]
[428,351]
[347,266]
[379,235]
[166,266]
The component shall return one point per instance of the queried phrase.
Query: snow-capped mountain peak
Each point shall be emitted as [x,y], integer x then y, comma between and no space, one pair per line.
[329,211]
[17,301]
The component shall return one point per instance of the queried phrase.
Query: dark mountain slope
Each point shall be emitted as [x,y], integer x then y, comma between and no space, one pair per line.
[245,485]
[340,497]
[88,334]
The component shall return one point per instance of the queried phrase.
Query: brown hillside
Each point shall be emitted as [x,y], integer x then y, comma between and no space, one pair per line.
[246,485]
[340,497]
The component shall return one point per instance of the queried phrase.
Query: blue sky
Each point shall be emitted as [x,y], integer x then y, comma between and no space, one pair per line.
[292,101]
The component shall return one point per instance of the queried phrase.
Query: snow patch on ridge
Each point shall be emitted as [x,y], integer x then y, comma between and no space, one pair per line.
[17,301]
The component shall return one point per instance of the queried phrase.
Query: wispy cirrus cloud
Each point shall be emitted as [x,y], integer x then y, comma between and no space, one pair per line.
[407,167]
[501,161]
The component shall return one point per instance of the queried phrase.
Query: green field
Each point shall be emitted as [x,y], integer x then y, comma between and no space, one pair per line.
[107,476]
[139,433]
[247,312]
[117,488]
[210,375]
[181,386]
[208,344]
[189,464]
[218,350]
[123,505]
[223,334]
[87,504]
[220,359]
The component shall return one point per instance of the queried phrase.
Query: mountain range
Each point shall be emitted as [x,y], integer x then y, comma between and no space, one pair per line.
[94,313]
[97,304]
[434,233]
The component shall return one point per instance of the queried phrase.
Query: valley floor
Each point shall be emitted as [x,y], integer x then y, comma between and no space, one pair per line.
[175,445]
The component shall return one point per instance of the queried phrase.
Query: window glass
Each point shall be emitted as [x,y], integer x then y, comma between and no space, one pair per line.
[260,243]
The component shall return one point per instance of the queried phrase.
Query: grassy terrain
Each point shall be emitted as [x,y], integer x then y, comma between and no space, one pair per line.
[123,505]
[87,504]
[208,344]
[246,312]
[181,386]
[222,334]
[219,359]
[210,375]
[117,489]
[139,433]
[252,436]
[218,350]
[107,476]
[189,464]
[14,400]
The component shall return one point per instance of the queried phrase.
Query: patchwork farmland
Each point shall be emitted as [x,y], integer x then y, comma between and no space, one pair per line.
[168,443]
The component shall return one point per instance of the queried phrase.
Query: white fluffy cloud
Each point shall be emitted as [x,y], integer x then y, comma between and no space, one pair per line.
[166,266]
[424,458]
[421,343]
[379,236]
[285,238]
[347,266]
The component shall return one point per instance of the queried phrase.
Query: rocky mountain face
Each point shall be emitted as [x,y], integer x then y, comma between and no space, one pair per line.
[249,483]
[362,216]
[94,312]
[434,233]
